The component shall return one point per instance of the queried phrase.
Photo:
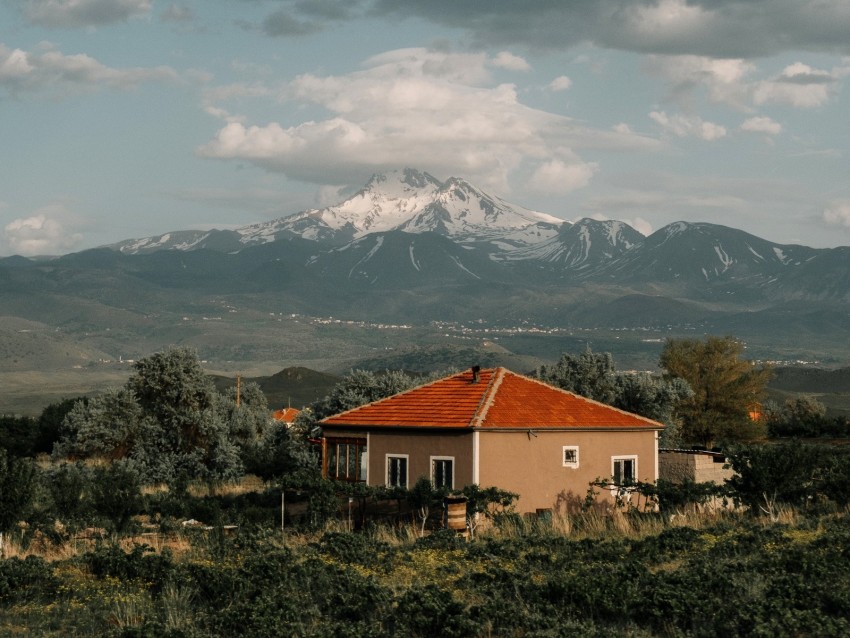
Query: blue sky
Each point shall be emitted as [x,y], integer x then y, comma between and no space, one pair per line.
[131,118]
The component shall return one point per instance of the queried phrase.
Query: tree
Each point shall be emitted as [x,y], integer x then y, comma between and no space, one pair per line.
[360,387]
[590,374]
[422,497]
[654,398]
[50,422]
[17,435]
[726,388]
[282,452]
[17,488]
[800,416]
[67,484]
[766,475]
[105,427]
[116,493]
[168,418]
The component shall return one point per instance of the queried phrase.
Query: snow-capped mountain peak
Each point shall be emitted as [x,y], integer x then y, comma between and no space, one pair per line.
[417,202]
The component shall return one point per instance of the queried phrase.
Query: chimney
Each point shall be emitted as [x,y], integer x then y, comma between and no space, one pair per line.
[476,370]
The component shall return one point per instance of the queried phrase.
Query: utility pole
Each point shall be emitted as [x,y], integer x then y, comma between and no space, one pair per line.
[238,390]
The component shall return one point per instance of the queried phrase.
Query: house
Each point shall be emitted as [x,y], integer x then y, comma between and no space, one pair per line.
[494,428]
[285,415]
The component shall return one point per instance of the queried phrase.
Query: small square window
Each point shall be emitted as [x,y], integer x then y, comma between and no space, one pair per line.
[570,456]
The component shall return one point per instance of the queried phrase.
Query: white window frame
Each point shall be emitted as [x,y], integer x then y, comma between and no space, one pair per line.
[442,458]
[387,459]
[564,461]
[625,457]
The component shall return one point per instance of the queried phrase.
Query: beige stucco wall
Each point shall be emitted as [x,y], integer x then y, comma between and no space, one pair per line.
[532,466]
[420,447]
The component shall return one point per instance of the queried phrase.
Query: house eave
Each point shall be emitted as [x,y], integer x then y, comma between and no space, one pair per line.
[467,429]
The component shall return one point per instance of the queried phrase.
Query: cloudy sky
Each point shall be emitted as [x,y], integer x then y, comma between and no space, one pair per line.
[130,118]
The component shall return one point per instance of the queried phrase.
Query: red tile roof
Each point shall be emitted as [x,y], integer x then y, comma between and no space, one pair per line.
[500,399]
[285,415]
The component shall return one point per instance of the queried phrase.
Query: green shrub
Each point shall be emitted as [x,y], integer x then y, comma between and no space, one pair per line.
[141,563]
[427,611]
[116,494]
[26,580]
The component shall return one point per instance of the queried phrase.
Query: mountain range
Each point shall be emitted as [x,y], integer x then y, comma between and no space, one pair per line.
[408,222]
[409,248]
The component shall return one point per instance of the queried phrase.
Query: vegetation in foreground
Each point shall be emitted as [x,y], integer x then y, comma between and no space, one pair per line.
[630,575]
[94,549]
[776,564]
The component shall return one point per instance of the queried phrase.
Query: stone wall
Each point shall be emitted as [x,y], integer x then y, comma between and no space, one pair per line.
[701,467]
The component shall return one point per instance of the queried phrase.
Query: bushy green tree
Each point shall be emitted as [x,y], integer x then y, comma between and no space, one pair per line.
[49,424]
[423,497]
[282,452]
[116,493]
[168,419]
[105,427]
[67,485]
[726,388]
[17,435]
[799,416]
[789,473]
[590,374]
[360,387]
[654,398]
[17,488]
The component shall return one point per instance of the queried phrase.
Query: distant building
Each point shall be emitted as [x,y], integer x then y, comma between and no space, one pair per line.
[493,428]
[285,415]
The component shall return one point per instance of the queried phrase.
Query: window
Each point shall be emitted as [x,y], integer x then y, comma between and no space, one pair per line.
[570,456]
[397,470]
[443,472]
[624,469]
[345,459]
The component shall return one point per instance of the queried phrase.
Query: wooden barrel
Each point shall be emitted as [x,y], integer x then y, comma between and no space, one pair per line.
[456,513]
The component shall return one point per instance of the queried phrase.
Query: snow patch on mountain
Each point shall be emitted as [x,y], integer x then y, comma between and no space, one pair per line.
[462,267]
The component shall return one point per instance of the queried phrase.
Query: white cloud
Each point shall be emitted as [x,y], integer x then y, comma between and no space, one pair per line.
[731,82]
[798,85]
[43,233]
[511,62]
[560,83]
[688,126]
[83,13]
[458,68]
[638,223]
[22,71]
[838,213]
[425,109]
[666,17]
[556,176]
[724,80]
[761,125]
